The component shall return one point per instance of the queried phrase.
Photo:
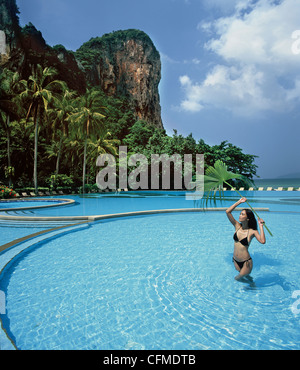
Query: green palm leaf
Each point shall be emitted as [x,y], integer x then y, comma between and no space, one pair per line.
[214,179]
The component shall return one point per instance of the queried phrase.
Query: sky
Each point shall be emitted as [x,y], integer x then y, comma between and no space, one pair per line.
[230,68]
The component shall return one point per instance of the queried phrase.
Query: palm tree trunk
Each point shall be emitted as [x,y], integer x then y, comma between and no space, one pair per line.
[58,156]
[36,151]
[8,151]
[84,165]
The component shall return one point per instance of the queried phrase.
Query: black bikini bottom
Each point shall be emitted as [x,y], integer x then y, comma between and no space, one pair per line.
[240,264]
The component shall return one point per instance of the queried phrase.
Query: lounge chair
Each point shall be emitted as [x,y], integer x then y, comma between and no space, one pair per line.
[232,189]
[47,193]
[32,194]
[25,195]
[41,194]
[224,189]
[251,189]
[260,189]
[290,188]
[17,195]
[269,188]
[297,189]
[279,189]
[242,189]
[54,192]
[60,192]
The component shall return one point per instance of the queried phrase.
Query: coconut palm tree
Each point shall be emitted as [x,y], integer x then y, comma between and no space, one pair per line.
[23,134]
[104,144]
[74,148]
[214,179]
[9,109]
[63,107]
[39,90]
[87,120]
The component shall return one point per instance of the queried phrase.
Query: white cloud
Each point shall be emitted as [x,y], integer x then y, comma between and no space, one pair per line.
[261,36]
[185,81]
[192,103]
[241,90]
[195,61]
[167,59]
[259,71]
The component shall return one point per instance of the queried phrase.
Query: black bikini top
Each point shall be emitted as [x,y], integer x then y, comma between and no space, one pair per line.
[242,241]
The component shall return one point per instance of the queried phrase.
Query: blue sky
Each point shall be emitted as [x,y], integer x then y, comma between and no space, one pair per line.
[230,68]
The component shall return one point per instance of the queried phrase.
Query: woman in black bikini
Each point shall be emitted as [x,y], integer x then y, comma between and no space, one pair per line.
[245,231]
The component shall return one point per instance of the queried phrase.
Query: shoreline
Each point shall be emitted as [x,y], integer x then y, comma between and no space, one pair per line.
[275,183]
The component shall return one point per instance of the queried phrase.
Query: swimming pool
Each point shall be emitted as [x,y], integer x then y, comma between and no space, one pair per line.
[154,282]
[112,203]
[17,204]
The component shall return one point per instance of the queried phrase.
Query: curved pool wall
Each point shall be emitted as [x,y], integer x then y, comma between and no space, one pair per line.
[26,204]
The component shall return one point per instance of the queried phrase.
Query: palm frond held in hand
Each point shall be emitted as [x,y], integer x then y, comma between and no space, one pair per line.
[214,179]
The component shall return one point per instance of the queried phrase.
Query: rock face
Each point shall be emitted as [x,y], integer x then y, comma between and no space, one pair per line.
[29,48]
[126,63]
[9,28]
[123,63]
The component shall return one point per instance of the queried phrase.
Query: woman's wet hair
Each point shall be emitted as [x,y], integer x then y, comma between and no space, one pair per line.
[252,223]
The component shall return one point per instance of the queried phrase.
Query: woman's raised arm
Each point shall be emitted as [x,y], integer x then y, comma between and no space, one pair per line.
[231,208]
[260,237]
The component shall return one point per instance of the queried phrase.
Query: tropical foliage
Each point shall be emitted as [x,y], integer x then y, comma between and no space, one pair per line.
[92,50]
[50,136]
[39,91]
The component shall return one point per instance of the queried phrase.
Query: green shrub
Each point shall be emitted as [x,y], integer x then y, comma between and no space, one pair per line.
[60,181]
[89,188]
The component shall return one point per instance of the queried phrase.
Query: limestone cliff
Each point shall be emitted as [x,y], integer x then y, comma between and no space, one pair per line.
[126,63]
[28,48]
[9,28]
[123,63]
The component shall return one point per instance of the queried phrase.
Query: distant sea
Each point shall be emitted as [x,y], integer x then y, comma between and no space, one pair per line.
[275,183]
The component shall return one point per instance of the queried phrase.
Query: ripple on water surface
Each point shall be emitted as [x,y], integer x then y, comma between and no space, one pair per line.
[156,282]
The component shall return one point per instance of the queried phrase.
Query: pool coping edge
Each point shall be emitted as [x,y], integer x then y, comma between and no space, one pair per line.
[117,215]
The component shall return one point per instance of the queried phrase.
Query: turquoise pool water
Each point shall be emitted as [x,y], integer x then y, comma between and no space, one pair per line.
[111,203]
[156,282]
[10,232]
